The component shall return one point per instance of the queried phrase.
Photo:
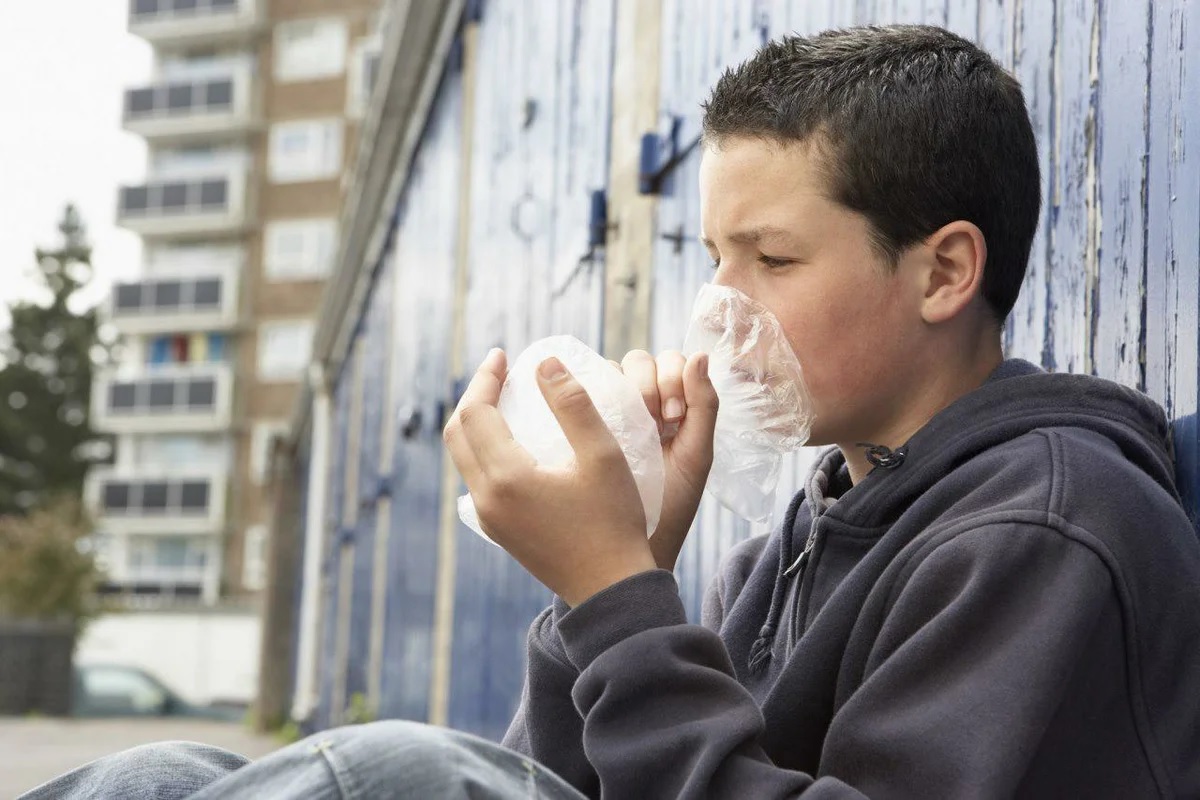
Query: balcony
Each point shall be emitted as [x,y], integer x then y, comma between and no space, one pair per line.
[123,502]
[188,23]
[175,399]
[182,112]
[175,303]
[205,206]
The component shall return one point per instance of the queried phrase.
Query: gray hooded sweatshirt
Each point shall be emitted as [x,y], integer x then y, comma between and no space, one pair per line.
[1009,607]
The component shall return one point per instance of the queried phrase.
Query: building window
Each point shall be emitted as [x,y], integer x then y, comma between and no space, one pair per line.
[299,249]
[198,451]
[261,438]
[175,197]
[309,49]
[307,150]
[254,559]
[283,349]
[168,395]
[167,559]
[156,498]
[167,296]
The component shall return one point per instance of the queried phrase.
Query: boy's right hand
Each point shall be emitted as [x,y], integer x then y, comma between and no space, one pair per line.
[683,402]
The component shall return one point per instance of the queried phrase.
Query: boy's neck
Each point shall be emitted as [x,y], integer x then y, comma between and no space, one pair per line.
[924,404]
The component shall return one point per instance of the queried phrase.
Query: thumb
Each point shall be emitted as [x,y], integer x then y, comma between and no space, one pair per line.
[586,432]
[701,396]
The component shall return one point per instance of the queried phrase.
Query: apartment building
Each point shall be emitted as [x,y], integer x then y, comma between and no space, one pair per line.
[250,118]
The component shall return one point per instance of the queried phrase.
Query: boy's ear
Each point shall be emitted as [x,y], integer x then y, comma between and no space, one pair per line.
[957,254]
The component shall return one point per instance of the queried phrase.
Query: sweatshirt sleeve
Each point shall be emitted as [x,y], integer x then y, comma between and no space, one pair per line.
[547,727]
[976,640]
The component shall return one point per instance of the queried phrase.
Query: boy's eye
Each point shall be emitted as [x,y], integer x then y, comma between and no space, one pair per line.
[715,264]
[773,263]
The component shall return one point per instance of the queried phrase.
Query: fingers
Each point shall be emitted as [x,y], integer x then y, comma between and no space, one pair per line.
[488,380]
[585,430]
[640,367]
[670,385]
[478,438]
[700,395]
[461,453]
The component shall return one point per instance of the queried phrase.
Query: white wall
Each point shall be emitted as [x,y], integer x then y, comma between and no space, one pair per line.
[204,657]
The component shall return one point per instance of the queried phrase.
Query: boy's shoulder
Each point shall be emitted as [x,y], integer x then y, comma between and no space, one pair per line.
[1078,482]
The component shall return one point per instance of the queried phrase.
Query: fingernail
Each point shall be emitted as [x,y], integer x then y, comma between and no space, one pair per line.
[552,369]
[673,409]
[702,363]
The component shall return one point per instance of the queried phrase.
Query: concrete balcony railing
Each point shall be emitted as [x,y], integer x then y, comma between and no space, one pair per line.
[188,23]
[178,112]
[175,399]
[181,303]
[195,206]
[149,502]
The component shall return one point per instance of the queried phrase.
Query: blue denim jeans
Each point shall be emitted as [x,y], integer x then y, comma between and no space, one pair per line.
[390,759]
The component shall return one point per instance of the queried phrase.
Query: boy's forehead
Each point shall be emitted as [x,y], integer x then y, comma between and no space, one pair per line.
[759,193]
[760,234]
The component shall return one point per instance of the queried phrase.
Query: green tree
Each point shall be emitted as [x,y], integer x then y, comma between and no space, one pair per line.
[46,572]
[46,360]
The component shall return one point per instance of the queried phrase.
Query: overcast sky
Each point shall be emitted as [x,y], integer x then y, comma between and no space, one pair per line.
[63,67]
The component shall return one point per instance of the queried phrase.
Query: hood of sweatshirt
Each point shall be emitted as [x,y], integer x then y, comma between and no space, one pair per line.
[1017,398]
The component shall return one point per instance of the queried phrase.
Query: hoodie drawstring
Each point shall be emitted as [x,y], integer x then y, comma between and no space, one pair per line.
[760,650]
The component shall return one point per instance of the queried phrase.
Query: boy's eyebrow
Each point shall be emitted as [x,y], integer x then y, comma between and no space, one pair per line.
[757,235]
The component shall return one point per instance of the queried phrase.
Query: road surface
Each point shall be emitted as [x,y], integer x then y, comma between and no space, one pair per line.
[34,750]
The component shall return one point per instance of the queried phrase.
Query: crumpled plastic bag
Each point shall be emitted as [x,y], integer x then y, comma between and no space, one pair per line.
[618,400]
[765,409]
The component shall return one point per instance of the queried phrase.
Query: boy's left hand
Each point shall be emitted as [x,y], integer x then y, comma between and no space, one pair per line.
[578,529]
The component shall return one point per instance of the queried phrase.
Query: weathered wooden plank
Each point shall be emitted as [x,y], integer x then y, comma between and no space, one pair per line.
[962,17]
[1034,42]
[907,11]
[422,305]
[1173,232]
[1072,171]
[1121,152]
[995,20]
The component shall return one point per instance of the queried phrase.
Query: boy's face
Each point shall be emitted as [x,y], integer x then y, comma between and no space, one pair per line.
[853,322]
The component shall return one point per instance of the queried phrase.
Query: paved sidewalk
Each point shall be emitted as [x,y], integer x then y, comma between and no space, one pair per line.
[33,751]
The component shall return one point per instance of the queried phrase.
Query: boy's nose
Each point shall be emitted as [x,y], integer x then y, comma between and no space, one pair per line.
[728,275]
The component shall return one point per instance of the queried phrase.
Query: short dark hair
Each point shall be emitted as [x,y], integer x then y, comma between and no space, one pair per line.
[917,127]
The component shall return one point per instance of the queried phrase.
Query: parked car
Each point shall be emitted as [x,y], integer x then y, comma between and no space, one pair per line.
[116,690]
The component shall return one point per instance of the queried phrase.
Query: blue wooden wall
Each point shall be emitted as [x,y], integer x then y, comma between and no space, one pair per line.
[423,258]
[541,147]
[1114,94]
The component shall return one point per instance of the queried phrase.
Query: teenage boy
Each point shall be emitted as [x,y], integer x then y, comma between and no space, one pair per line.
[986,587]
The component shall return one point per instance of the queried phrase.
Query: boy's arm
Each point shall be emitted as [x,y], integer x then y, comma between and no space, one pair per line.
[975,647]
[547,727]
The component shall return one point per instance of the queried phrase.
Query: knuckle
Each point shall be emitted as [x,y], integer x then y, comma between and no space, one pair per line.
[501,492]
[671,357]
[609,456]
[637,356]
[452,431]
[670,366]
[574,398]
[505,487]
[469,415]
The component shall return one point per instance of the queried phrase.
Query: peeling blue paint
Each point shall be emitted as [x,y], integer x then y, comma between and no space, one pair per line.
[1113,285]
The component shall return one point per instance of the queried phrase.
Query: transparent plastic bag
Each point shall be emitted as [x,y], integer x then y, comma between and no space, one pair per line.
[765,408]
[618,400]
